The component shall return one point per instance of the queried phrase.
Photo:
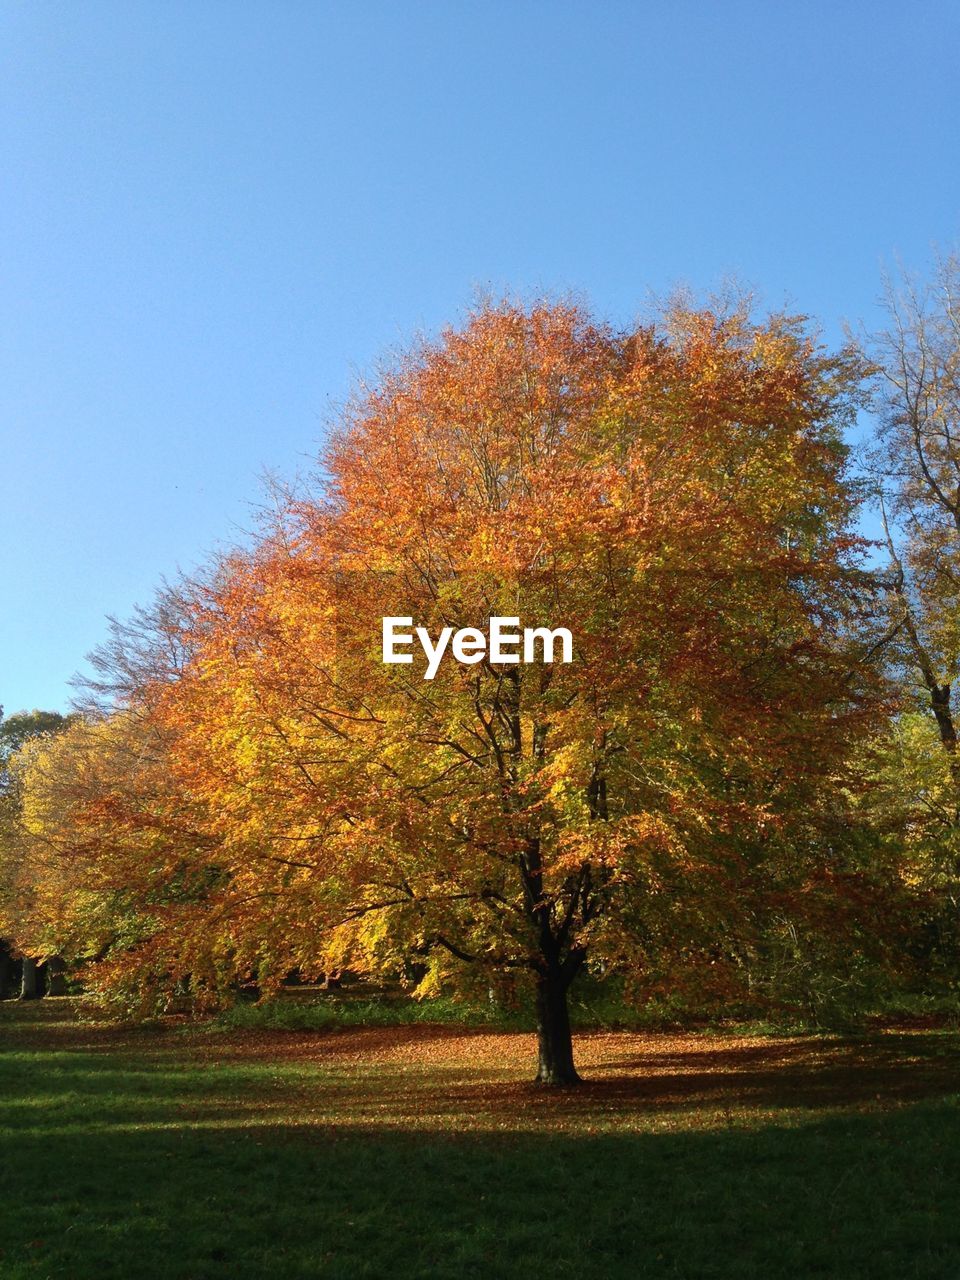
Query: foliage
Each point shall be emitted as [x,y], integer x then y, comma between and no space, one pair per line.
[912,795]
[915,466]
[22,727]
[19,881]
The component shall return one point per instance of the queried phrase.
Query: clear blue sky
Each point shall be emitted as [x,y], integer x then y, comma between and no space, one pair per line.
[215,213]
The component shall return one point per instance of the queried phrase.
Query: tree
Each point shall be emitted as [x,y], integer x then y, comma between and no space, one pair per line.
[915,471]
[18,729]
[916,466]
[675,497]
[108,860]
[16,732]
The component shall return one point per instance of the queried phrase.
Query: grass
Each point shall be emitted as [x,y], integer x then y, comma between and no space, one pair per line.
[422,1151]
[592,1008]
[326,1013]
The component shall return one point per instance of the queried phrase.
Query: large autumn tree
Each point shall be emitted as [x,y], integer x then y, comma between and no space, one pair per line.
[676,497]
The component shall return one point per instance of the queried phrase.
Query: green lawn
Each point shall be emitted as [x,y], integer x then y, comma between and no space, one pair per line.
[154,1153]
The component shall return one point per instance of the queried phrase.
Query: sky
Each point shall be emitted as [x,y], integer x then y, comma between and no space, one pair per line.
[216,216]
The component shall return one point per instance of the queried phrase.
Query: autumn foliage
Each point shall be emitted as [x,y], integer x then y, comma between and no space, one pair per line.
[259,792]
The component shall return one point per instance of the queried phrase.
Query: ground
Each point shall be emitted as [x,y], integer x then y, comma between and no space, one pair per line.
[178,1153]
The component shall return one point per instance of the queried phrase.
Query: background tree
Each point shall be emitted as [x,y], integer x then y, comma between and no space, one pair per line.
[18,729]
[15,732]
[917,469]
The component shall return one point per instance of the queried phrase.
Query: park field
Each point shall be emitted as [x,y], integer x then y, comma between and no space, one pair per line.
[422,1151]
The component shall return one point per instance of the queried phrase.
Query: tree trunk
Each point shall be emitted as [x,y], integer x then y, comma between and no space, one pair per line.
[28,980]
[554,1041]
[56,976]
[6,971]
[943,714]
